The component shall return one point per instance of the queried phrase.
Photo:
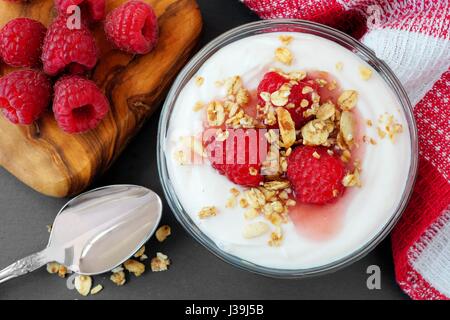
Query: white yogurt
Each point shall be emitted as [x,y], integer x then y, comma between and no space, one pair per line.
[384,166]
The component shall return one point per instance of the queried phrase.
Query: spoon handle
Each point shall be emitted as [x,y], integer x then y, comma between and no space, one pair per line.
[24,266]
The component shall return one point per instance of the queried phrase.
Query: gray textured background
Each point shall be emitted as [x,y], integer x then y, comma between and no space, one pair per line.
[195,273]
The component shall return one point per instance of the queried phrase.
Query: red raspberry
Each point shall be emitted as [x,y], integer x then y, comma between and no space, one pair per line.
[238,157]
[24,95]
[95,8]
[79,105]
[296,98]
[315,181]
[74,50]
[21,42]
[272,81]
[133,27]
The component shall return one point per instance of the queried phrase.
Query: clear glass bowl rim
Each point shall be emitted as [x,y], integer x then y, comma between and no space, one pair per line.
[260,27]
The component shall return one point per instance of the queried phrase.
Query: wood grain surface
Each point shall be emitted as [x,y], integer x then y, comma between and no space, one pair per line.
[58,164]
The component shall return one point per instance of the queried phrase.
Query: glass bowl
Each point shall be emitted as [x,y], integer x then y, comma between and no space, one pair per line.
[268,26]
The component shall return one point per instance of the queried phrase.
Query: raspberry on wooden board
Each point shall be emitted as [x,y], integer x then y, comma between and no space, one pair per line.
[74,50]
[21,42]
[79,105]
[95,9]
[133,27]
[24,95]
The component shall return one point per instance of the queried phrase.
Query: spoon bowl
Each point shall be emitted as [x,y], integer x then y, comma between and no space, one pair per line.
[100,229]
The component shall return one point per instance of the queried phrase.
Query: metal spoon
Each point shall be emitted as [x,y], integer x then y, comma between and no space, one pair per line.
[96,231]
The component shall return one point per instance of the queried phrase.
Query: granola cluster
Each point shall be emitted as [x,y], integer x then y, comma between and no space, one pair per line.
[230,112]
[331,124]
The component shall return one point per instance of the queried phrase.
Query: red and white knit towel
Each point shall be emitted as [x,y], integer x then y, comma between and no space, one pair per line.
[413,37]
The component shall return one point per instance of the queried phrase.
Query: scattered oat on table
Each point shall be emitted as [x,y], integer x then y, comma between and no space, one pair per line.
[83,285]
[118,278]
[96,289]
[160,263]
[135,267]
[163,232]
